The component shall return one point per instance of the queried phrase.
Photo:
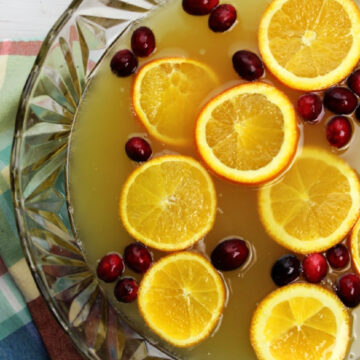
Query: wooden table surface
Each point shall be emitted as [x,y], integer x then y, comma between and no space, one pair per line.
[29,19]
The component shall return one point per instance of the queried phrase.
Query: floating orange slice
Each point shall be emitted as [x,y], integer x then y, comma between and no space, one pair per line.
[248,134]
[310,45]
[182,298]
[314,205]
[166,96]
[300,321]
[169,203]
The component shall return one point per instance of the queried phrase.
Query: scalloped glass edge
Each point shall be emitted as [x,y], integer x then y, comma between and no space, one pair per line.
[47,107]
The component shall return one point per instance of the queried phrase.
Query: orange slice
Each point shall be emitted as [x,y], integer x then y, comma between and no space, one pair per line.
[310,45]
[300,321]
[181,298]
[355,246]
[314,205]
[166,96]
[169,203]
[248,134]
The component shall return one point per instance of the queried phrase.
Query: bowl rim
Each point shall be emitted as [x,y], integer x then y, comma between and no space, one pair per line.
[15,178]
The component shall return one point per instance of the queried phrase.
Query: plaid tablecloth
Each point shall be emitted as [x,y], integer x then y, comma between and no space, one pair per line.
[27,329]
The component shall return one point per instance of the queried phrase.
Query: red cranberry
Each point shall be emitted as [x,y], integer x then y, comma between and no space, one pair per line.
[199,7]
[143,41]
[124,63]
[338,256]
[110,267]
[285,270]
[138,149]
[348,290]
[230,254]
[310,107]
[126,290]
[248,65]
[222,18]
[137,257]
[315,267]
[340,100]
[353,82]
[339,131]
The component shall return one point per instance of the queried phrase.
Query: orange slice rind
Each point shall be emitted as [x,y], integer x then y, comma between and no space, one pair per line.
[310,45]
[300,321]
[248,134]
[181,298]
[166,95]
[168,203]
[314,205]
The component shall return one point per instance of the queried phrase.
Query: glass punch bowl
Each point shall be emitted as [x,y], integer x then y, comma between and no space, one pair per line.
[46,112]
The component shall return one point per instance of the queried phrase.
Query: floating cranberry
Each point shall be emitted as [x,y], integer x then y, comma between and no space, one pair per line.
[248,65]
[222,18]
[138,149]
[126,290]
[348,290]
[110,267]
[143,41]
[340,100]
[137,257]
[310,107]
[285,270]
[124,63]
[353,82]
[338,256]
[315,267]
[199,7]
[339,131]
[230,254]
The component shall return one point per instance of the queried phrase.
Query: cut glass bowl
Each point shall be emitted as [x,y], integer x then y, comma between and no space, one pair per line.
[46,112]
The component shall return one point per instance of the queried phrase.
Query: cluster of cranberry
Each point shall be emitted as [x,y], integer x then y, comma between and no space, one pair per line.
[314,269]
[124,63]
[341,101]
[137,258]
[222,17]
[228,255]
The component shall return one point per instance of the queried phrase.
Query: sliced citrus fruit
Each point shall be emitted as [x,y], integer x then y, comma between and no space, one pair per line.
[248,134]
[168,203]
[314,205]
[355,246]
[300,321]
[310,45]
[166,96]
[181,298]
